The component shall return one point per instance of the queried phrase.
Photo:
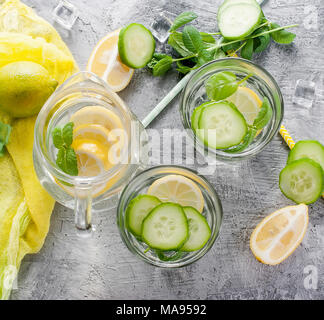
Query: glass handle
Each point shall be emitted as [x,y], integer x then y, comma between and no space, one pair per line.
[82,209]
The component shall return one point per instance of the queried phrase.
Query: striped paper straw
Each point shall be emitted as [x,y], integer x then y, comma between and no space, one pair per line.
[287,137]
[289,140]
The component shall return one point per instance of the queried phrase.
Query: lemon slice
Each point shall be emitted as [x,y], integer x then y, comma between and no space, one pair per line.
[97,115]
[95,132]
[178,189]
[92,157]
[279,234]
[248,103]
[105,62]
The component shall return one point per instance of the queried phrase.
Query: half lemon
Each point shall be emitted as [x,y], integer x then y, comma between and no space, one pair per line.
[278,235]
[178,189]
[105,62]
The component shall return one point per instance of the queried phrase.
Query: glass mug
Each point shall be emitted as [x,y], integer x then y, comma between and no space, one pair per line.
[84,193]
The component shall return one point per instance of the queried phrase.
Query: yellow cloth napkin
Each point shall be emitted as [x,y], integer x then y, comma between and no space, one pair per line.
[25,207]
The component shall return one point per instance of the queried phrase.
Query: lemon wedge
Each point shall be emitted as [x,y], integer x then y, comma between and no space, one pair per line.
[178,189]
[248,103]
[105,62]
[279,234]
[92,157]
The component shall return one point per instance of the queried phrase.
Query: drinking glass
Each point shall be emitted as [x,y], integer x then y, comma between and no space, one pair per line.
[262,83]
[84,193]
[212,211]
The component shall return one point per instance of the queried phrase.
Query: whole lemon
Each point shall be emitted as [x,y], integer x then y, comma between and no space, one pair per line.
[24,88]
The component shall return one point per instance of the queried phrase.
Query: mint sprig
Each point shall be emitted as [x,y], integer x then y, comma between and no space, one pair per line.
[196,48]
[66,158]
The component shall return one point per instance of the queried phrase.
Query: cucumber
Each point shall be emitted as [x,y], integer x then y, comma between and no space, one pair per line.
[302,181]
[136,45]
[238,20]
[166,227]
[228,3]
[221,125]
[137,210]
[196,114]
[199,230]
[307,149]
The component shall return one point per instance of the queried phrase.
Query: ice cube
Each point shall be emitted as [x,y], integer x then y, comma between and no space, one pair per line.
[304,93]
[161,25]
[65,14]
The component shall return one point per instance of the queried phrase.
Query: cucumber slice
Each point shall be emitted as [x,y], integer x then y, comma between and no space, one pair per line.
[239,20]
[196,114]
[307,149]
[166,227]
[302,181]
[228,3]
[137,211]
[199,230]
[136,45]
[221,125]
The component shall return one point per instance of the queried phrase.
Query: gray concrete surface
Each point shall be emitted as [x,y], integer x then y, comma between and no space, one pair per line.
[102,268]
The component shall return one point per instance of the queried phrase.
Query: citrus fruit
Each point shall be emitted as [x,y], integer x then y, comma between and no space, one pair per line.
[279,234]
[91,131]
[97,115]
[104,118]
[92,157]
[177,189]
[248,103]
[105,62]
[24,88]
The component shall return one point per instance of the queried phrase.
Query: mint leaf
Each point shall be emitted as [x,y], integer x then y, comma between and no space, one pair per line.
[71,162]
[183,19]
[5,131]
[282,36]
[57,136]
[162,66]
[176,42]
[67,133]
[261,43]
[206,37]
[204,56]
[159,56]
[264,115]
[247,50]
[66,158]
[192,39]
[61,159]
[156,58]
[221,85]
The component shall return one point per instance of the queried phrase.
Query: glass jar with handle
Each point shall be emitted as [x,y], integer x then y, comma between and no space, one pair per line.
[108,140]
